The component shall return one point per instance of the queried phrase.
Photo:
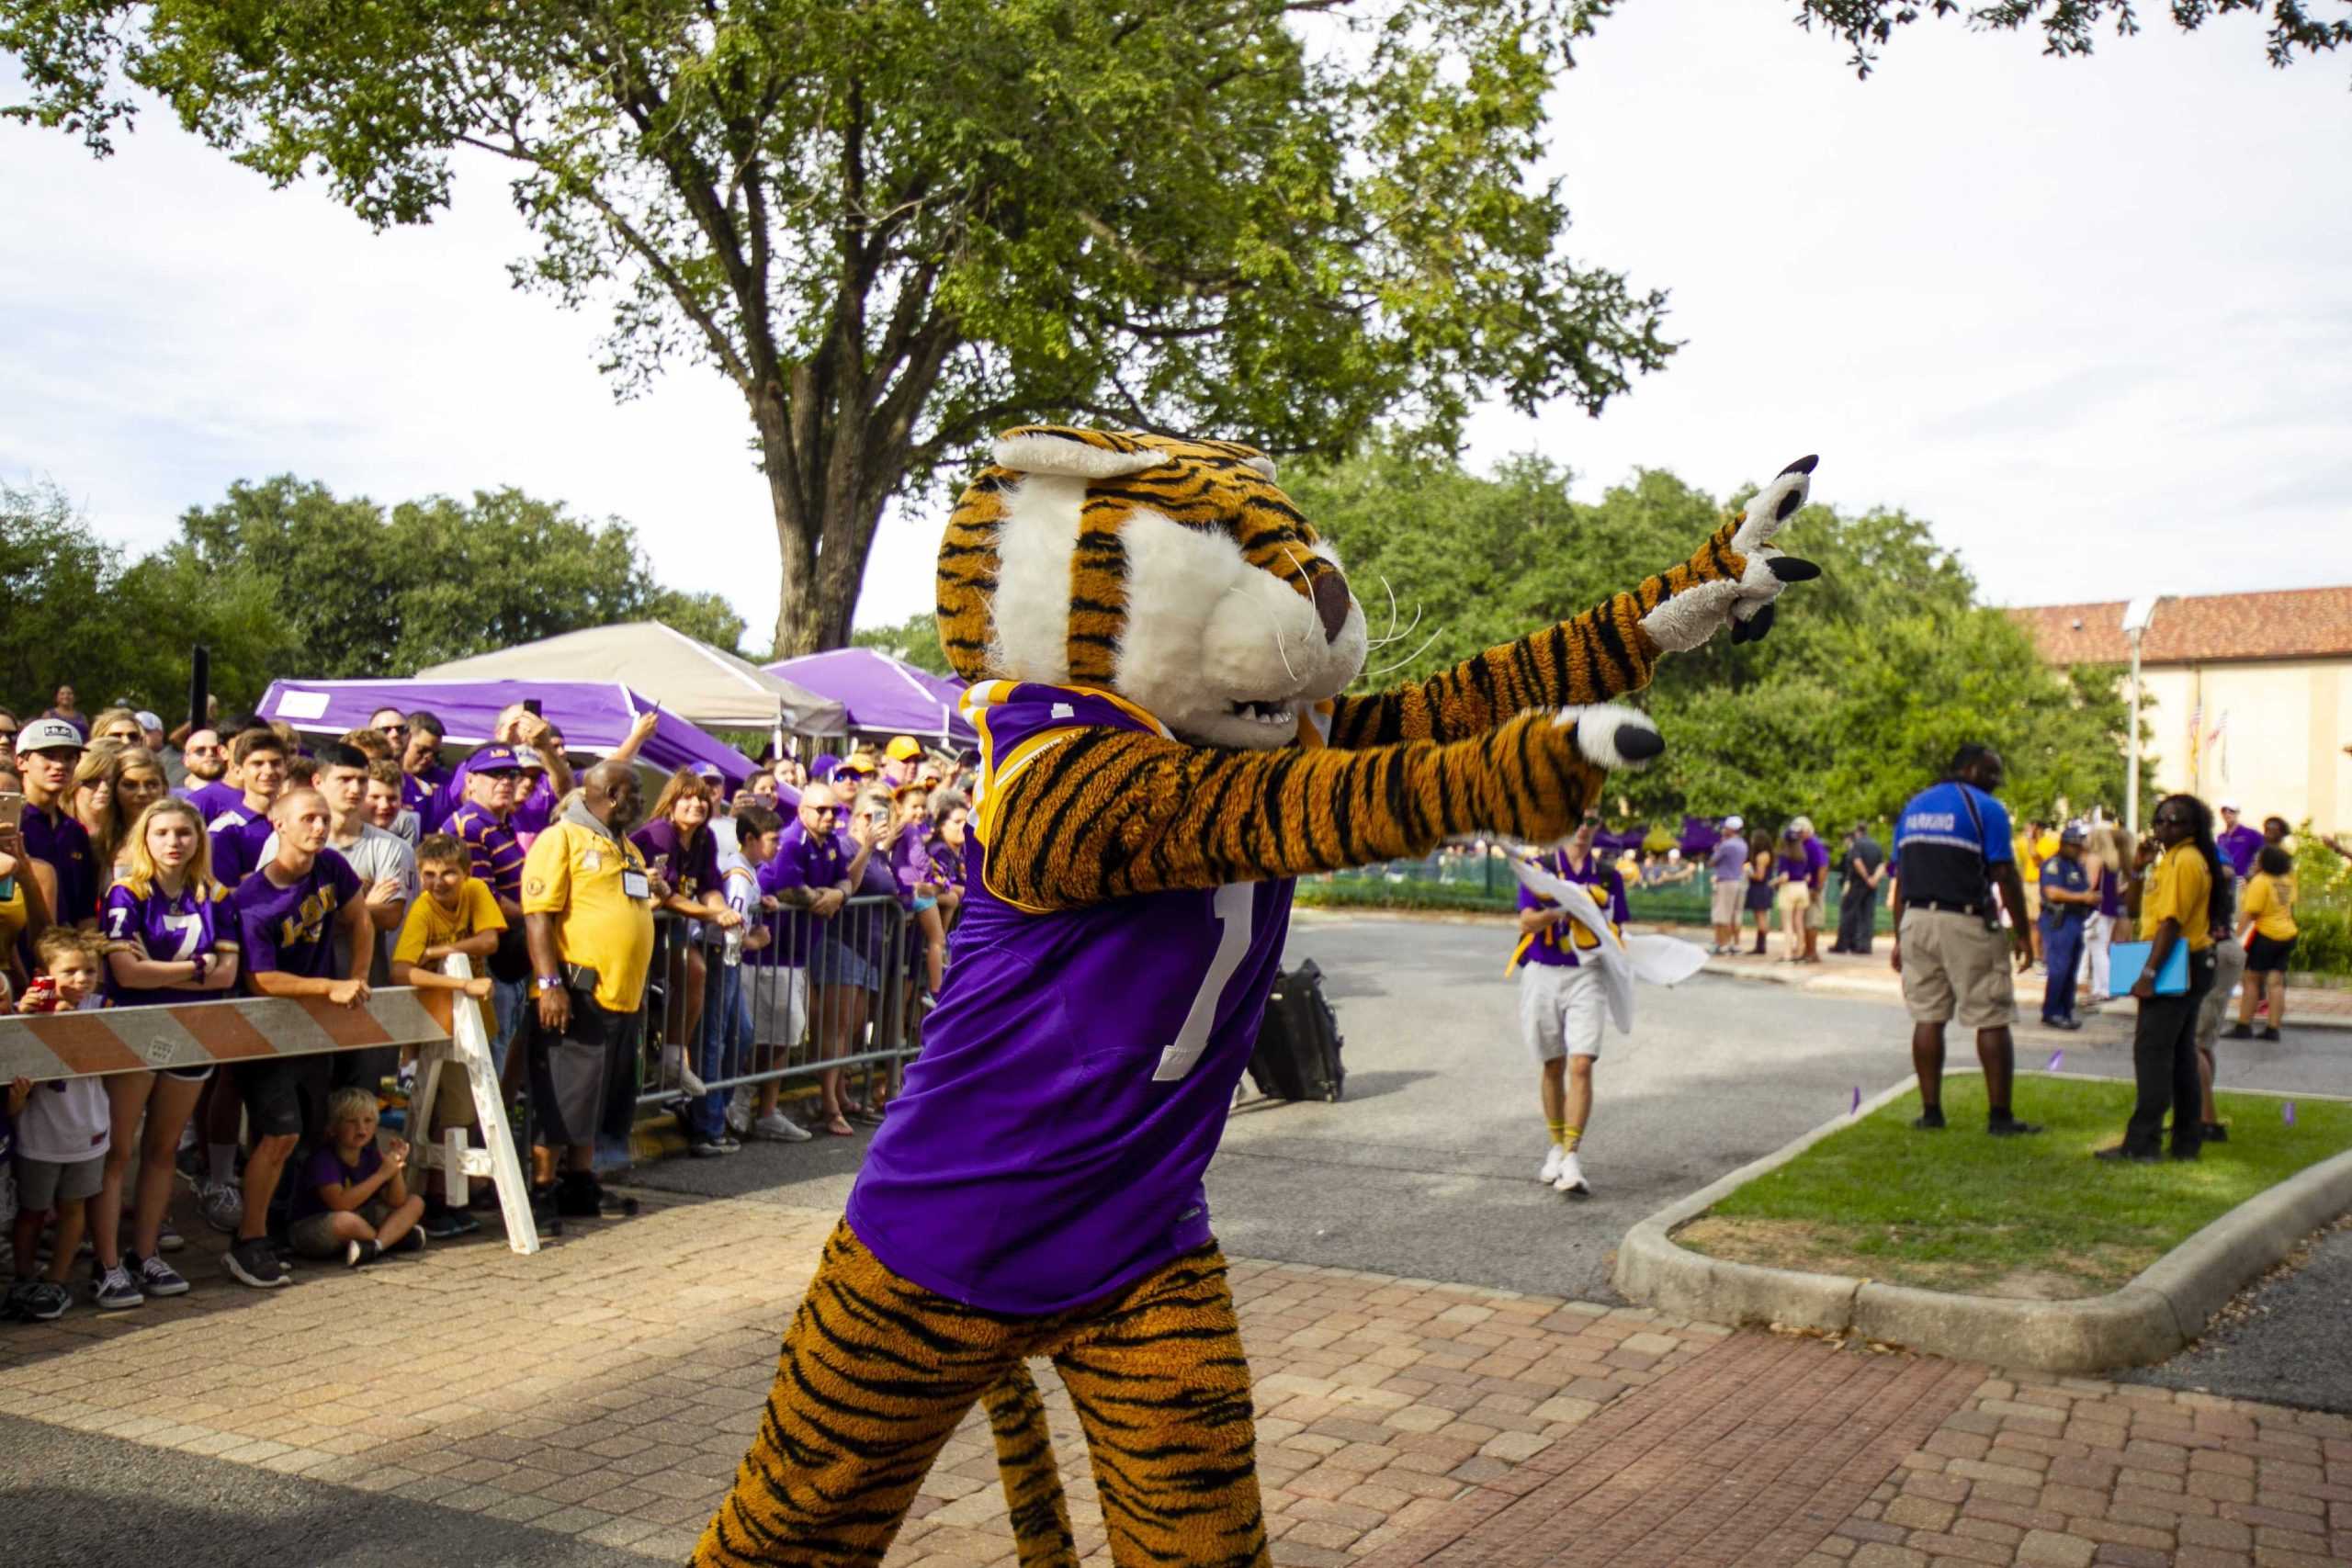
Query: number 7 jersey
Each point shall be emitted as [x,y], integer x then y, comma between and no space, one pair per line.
[1048,1147]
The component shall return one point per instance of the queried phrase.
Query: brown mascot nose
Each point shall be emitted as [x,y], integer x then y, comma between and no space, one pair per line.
[1331,601]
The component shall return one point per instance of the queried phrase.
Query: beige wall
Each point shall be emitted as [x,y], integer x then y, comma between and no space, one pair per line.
[2283,727]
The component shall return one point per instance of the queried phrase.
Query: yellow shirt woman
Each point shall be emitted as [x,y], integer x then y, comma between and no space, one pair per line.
[2270,905]
[2180,887]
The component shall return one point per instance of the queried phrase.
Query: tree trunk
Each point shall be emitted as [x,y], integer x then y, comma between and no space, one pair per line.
[823,533]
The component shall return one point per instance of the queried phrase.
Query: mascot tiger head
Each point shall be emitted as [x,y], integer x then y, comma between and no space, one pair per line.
[1172,573]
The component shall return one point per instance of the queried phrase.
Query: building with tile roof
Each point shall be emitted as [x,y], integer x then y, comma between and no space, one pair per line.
[2248,697]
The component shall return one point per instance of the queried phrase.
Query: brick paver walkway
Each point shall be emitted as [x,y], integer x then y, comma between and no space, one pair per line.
[607,1388]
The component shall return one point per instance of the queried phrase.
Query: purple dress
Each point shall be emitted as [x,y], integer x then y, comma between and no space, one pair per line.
[1050,1144]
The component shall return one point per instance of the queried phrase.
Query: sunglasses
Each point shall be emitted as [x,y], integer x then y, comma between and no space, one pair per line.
[391,729]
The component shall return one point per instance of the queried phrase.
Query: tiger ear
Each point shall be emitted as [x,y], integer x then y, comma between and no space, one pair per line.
[1079,454]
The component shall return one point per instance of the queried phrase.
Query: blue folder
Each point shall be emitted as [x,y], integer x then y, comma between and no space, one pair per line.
[2128,960]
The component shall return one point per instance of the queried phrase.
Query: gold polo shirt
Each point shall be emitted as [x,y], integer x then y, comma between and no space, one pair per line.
[2180,889]
[574,875]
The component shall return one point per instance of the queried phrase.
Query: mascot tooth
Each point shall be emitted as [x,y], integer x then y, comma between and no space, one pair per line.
[1158,643]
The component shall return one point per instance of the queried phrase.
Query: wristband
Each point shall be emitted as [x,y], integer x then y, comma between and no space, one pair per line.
[201,962]
[551,982]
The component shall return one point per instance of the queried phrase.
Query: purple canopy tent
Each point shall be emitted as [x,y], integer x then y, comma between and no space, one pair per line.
[1699,834]
[884,695]
[594,715]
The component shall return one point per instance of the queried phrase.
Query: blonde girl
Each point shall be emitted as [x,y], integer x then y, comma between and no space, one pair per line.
[169,938]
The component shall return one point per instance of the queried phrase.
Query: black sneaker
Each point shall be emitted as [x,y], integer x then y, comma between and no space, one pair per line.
[116,1288]
[1931,1119]
[2270,1034]
[44,1301]
[412,1242]
[444,1223]
[2133,1155]
[359,1254]
[2066,1023]
[2238,1031]
[2214,1133]
[254,1262]
[707,1148]
[2010,1127]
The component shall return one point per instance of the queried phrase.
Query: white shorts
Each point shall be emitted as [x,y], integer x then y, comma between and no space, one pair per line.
[779,1002]
[1561,1010]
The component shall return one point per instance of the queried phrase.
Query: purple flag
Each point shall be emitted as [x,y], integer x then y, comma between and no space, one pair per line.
[1856,1108]
[2056,1057]
[2287,1111]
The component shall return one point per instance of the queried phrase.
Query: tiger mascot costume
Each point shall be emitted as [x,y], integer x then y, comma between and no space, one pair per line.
[1158,642]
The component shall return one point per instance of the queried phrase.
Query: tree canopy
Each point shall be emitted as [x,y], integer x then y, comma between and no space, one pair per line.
[2072,27]
[283,578]
[897,225]
[1870,678]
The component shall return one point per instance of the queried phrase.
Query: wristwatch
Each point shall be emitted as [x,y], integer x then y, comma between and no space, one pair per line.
[550,982]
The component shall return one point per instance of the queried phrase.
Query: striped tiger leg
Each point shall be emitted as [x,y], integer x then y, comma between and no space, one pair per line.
[875,1373]
[1163,1392]
[1024,1463]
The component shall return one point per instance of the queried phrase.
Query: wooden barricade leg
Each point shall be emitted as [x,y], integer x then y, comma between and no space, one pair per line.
[468,1051]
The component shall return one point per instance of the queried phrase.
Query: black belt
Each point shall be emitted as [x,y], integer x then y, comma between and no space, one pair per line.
[1974,910]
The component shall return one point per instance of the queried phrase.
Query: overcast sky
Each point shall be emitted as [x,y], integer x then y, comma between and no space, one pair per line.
[2091,319]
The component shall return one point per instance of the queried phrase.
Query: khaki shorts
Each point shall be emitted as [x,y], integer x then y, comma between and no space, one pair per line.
[1794,895]
[779,1004]
[1728,901]
[1953,967]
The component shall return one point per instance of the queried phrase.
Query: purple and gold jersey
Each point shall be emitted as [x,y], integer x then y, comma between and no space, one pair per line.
[1048,1147]
[1558,944]
[168,928]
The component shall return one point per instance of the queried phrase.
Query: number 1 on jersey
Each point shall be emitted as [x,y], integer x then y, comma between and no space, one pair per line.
[1234,908]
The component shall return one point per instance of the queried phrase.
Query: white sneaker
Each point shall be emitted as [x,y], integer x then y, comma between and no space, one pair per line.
[223,1205]
[739,1111]
[1551,1171]
[673,1064]
[1571,1178]
[778,1128]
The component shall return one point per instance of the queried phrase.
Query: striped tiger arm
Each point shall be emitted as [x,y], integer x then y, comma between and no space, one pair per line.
[1603,653]
[1111,812]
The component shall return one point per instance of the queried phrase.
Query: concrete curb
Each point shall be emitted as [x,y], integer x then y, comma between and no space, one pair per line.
[2148,1319]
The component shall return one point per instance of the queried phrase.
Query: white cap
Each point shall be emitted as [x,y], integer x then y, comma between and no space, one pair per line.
[49,735]
[2225,806]
[1733,823]
[148,720]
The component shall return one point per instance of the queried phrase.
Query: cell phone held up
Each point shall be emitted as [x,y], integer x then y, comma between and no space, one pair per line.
[12,809]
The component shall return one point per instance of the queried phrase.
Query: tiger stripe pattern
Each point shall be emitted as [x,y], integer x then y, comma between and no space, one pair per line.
[1105,813]
[876,1372]
[1210,486]
[1602,653]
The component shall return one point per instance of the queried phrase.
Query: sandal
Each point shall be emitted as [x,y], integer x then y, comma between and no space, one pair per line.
[839,1128]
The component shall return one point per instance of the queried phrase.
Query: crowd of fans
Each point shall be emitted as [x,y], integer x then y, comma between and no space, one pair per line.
[802,907]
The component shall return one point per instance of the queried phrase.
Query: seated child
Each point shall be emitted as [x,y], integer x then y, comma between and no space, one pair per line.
[352,1198]
[455,914]
[60,1134]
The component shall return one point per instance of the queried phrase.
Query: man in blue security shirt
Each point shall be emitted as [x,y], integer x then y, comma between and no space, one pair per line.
[1952,847]
[2067,899]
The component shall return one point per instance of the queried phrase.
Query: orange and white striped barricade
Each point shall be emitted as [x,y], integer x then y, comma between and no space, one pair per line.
[250,1029]
[465,1049]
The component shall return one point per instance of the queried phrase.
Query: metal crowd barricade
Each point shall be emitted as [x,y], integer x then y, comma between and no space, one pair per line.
[799,999]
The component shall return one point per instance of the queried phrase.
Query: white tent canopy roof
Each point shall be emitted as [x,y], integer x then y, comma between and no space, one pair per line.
[705,685]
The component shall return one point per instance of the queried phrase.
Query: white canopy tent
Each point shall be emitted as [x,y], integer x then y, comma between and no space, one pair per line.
[705,685]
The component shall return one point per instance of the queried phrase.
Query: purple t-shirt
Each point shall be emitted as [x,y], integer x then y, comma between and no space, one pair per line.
[1815,858]
[170,928]
[1728,860]
[2239,845]
[1555,944]
[693,868]
[1038,1159]
[292,929]
[63,846]
[911,864]
[238,836]
[325,1168]
[803,860]
[216,797]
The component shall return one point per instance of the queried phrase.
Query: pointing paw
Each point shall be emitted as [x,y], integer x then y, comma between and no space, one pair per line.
[1612,737]
[1691,616]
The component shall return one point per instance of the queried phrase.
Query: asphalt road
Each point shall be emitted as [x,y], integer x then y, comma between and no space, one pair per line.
[72,1499]
[2286,1346]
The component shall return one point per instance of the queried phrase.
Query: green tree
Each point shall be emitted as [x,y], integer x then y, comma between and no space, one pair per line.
[76,616]
[1866,684]
[2069,27]
[914,639]
[895,225]
[369,593]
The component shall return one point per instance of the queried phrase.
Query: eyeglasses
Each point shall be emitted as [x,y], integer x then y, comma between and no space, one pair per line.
[9,735]
[820,810]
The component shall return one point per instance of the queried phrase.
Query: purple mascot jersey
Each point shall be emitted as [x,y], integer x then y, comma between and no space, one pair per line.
[1048,1147]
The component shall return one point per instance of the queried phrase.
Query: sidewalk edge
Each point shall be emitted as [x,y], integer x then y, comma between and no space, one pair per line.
[2155,1313]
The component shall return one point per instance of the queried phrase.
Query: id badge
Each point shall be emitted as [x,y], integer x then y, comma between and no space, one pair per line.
[634,883]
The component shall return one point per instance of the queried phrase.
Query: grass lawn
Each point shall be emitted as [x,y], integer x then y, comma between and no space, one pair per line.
[2035,1217]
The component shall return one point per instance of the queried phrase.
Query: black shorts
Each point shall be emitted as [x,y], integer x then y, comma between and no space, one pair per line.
[2267,955]
[285,1096]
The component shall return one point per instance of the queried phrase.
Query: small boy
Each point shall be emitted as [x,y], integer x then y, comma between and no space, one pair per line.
[61,1133]
[454,914]
[353,1199]
[382,803]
